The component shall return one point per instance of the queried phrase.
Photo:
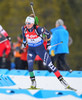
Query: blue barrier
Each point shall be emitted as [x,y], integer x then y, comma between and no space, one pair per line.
[41,72]
[43,94]
[51,74]
[75,74]
[4,71]
[52,93]
[18,72]
[6,81]
[2,81]
[64,73]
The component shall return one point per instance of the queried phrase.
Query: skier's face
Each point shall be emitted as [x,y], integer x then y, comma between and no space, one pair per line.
[29,25]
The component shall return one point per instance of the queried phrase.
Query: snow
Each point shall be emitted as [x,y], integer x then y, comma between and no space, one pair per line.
[43,82]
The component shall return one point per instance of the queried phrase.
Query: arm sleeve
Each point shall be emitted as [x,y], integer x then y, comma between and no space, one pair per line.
[48,36]
[23,34]
[41,31]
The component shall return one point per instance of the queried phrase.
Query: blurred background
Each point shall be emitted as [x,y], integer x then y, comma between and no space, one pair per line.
[14,12]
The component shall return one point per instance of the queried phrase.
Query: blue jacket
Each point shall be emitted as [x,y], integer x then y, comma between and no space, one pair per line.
[59,34]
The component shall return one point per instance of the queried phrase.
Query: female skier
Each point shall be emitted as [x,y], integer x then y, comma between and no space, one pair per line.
[32,34]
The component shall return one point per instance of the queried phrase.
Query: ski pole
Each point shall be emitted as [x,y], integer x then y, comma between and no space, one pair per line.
[31,3]
[55,45]
[36,18]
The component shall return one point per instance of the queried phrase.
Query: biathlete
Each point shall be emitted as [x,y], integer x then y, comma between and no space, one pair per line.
[32,34]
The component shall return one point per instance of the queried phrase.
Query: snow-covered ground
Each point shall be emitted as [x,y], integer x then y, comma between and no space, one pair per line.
[51,89]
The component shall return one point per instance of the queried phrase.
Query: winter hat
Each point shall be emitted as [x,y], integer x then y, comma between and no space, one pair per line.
[35,18]
[60,22]
[30,20]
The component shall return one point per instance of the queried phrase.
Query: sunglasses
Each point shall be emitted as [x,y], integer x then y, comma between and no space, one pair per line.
[28,23]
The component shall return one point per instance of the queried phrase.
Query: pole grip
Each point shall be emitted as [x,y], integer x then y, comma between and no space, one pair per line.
[31,3]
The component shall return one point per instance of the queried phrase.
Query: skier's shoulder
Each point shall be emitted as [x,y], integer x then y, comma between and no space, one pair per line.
[39,29]
[23,27]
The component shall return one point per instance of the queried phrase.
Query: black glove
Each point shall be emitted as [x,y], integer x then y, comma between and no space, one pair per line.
[23,45]
[48,46]
[9,38]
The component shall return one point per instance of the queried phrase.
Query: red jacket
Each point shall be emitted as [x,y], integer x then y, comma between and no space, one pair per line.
[4,33]
[5,47]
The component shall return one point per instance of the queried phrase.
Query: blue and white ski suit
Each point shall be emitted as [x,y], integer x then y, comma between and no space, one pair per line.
[35,42]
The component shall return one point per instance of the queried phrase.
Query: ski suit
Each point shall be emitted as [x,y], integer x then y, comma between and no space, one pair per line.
[34,39]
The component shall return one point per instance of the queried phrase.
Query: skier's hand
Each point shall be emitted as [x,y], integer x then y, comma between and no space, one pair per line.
[48,47]
[23,45]
[52,53]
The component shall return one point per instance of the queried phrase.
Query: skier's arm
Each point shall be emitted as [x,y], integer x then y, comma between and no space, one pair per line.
[46,32]
[23,34]
[42,31]
[8,48]
[24,38]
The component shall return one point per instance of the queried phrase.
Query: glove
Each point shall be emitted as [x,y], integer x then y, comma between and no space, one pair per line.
[52,53]
[9,38]
[48,47]
[23,45]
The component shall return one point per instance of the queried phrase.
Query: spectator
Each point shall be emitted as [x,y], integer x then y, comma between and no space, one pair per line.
[59,51]
[58,62]
[2,31]
[9,58]
[4,48]
[17,54]
[70,38]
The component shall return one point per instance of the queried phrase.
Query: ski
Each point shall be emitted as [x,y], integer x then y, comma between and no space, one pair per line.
[70,88]
[34,88]
[31,88]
